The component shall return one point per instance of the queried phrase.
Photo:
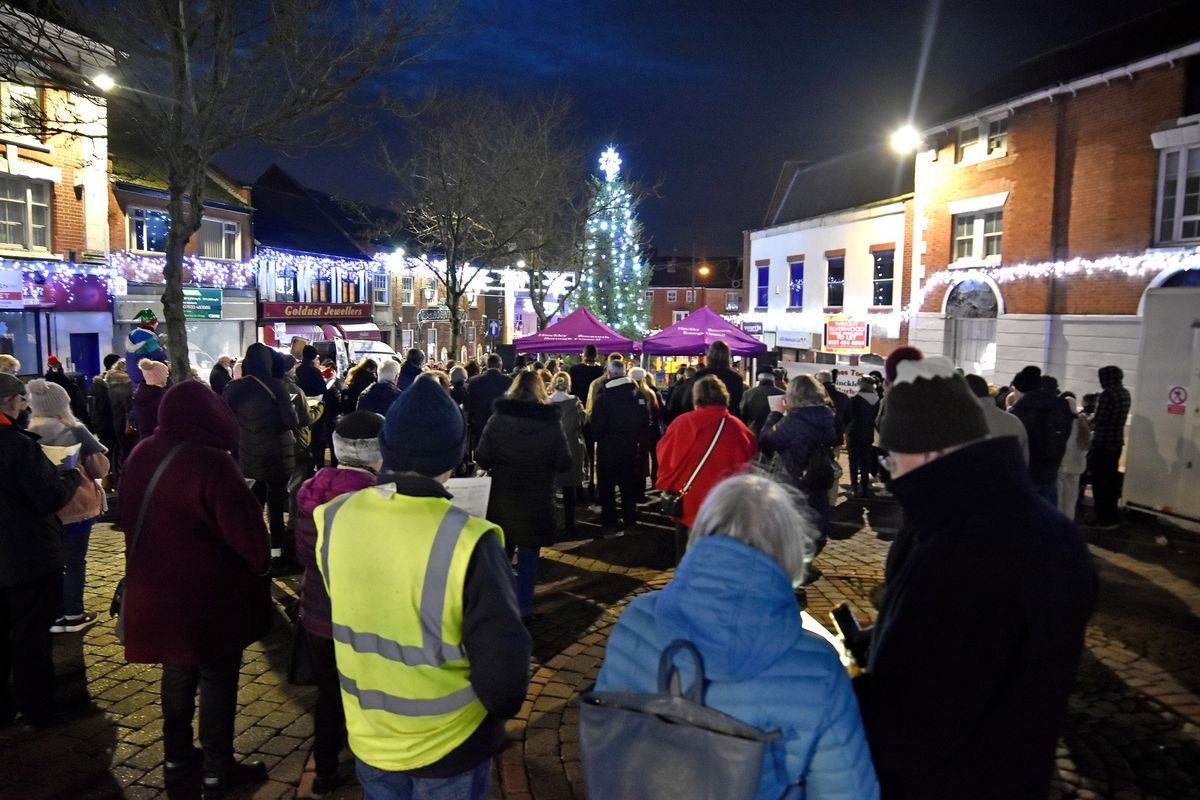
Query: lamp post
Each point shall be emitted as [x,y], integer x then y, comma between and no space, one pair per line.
[905,140]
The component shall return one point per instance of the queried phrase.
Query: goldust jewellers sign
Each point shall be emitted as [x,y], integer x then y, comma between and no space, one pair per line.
[295,312]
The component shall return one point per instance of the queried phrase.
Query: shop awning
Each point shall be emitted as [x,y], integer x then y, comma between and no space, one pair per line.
[313,333]
[367,331]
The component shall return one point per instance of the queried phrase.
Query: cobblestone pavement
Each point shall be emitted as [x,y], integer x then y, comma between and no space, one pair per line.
[1131,732]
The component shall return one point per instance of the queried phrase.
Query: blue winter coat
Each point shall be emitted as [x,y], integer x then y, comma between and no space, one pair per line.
[735,604]
[379,397]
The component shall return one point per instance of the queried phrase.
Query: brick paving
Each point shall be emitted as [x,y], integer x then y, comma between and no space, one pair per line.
[1133,726]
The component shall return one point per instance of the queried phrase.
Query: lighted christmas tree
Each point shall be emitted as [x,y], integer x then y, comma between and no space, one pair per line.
[614,280]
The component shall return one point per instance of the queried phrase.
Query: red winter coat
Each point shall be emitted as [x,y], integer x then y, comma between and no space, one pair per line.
[197,587]
[684,444]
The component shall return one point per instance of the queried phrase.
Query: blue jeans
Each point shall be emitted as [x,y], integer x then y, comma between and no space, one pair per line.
[380,785]
[75,543]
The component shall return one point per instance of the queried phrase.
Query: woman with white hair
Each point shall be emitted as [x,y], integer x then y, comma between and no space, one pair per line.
[732,597]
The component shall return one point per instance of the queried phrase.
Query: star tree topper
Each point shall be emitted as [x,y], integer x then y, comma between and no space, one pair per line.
[610,163]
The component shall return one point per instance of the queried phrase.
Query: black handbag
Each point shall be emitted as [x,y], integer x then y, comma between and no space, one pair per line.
[668,744]
[117,607]
[302,671]
[672,501]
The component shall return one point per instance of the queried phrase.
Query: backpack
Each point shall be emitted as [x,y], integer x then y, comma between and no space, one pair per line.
[1048,441]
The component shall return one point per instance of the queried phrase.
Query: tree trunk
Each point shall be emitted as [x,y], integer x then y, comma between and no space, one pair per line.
[452,302]
[172,296]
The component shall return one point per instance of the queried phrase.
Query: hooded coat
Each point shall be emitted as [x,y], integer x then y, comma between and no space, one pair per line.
[860,413]
[735,604]
[573,419]
[219,377]
[30,493]
[197,588]
[1112,409]
[266,418]
[988,593]
[118,388]
[523,446]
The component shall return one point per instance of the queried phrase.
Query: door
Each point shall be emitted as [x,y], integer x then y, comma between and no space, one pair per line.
[973,345]
[85,355]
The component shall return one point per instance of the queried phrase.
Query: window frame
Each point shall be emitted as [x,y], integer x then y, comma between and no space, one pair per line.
[829,282]
[321,290]
[762,288]
[689,296]
[351,289]
[679,315]
[979,237]
[795,287]
[226,227]
[733,301]
[131,217]
[989,141]
[26,187]
[996,143]
[408,290]
[672,296]
[7,108]
[1177,220]
[376,288]
[285,278]
[876,280]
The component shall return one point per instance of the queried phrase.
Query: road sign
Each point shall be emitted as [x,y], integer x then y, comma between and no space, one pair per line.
[493,328]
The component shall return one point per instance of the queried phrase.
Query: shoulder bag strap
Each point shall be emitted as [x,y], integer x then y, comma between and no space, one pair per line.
[141,518]
[707,453]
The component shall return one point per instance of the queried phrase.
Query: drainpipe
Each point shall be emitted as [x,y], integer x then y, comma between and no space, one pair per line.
[1059,196]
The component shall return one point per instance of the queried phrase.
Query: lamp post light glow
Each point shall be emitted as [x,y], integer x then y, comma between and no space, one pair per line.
[906,140]
[104,82]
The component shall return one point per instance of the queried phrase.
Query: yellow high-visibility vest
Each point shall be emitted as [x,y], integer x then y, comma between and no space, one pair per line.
[395,567]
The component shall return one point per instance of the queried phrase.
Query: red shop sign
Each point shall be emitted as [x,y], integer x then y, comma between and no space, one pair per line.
[847,336]
[294,312]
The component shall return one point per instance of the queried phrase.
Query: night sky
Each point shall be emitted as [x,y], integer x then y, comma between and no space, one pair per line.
[711,97]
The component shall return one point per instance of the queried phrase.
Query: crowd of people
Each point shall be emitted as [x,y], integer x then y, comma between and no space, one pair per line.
[277,465]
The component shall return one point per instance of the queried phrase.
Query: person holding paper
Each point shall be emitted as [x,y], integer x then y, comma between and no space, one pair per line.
[57,426]
[31,560]
[524,447]
[403,566]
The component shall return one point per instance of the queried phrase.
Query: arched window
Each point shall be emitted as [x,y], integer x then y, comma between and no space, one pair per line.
[1184,277]
[972,299]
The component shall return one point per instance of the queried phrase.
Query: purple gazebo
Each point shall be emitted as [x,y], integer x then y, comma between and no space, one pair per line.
[573,333]
[694,333]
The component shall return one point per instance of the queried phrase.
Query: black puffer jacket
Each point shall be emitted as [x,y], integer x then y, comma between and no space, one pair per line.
[30,492]
[523,446]
[266,418]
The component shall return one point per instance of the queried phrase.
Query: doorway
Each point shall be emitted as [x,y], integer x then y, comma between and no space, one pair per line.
[85,355]
[972,309]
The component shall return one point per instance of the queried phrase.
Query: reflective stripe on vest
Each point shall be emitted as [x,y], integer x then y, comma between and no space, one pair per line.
[433,651]
[375,700]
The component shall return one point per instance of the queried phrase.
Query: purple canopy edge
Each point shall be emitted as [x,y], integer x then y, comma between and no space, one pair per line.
[574,332]
[694,333]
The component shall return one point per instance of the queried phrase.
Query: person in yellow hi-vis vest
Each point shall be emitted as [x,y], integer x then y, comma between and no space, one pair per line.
[420,594]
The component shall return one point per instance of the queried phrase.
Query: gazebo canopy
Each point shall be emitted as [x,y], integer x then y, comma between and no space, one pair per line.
[694,333]
[573,333]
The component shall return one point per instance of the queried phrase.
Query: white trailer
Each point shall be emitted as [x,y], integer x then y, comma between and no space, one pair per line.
[1162,463]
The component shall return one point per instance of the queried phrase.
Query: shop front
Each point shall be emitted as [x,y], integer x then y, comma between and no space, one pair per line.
[281,323]
[219,321]
[55,309]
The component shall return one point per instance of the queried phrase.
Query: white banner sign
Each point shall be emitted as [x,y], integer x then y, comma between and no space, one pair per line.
[799,339]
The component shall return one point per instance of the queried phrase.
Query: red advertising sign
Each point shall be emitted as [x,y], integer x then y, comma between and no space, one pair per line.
[295,312]
[847,336]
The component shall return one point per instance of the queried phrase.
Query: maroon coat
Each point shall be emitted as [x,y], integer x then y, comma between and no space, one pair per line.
[197,586]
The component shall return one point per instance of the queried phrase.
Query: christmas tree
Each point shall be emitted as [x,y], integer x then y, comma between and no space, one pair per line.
[613,285]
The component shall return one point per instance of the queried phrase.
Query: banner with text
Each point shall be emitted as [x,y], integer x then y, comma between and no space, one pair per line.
[847,336]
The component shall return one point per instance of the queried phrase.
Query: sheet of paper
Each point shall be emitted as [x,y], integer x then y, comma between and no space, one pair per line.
[64,458]
[776,403]
[471,494]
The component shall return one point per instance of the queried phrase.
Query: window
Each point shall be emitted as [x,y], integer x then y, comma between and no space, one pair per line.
[24,214]
[689,296]
[1179,195]
[322,288]
[997,141]
[349,290]
[796,284]
[764,286]
[285,287]
[219,239]
[677,316]
[968,143]
[379,287]
[407,290]
[649,298]
[148,230]
[882,277]
[672,295]
[20,110]
[732,301]
[978,233]
[835,281]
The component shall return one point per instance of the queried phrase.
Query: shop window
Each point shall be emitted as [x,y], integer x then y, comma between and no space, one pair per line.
[220,240]
[1179,195]
[148,229]
[24,214]
[350,291]
[322,289]
[379,288]
[883,278]
[835,281]
[796,284]
[763,289]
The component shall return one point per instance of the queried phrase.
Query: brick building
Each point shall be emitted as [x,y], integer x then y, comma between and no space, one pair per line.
[1048,204]
[679,286]
[54,290]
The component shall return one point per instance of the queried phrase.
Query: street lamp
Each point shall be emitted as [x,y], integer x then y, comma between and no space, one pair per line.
[429,292]
[705,270]
[104,82]
[905,140]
